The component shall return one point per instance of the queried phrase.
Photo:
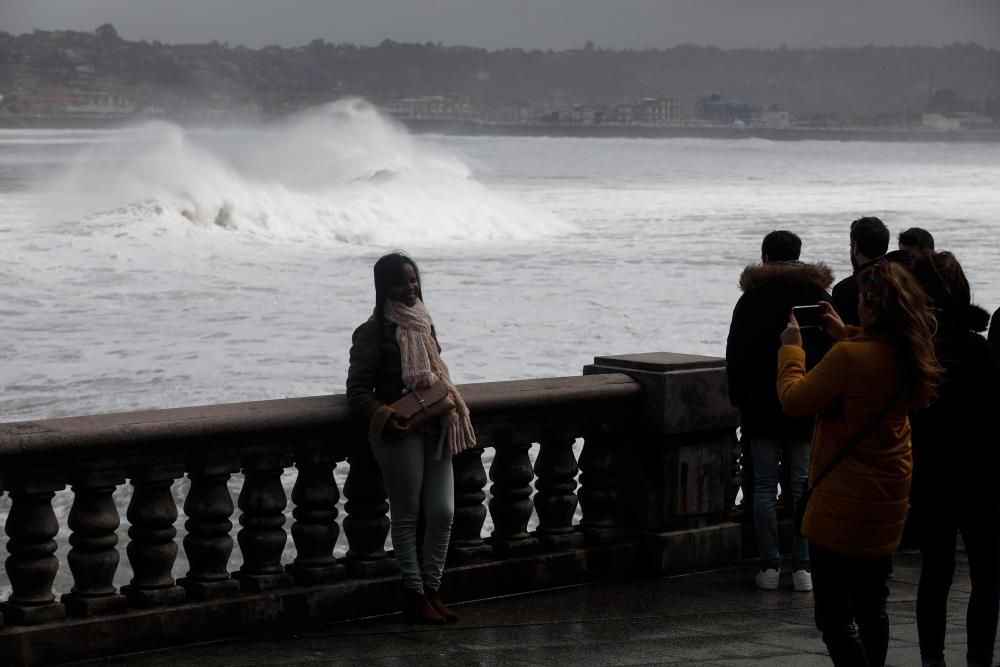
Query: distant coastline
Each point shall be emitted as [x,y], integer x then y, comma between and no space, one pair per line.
[467,128]
[567,130]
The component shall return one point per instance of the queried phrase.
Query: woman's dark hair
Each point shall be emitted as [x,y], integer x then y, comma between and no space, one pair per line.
[900,310]
[389,273]
[945,283]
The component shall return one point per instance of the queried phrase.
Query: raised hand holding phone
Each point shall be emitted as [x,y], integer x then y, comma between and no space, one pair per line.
[792,335]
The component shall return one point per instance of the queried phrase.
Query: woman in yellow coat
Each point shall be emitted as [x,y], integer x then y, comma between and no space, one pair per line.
[860,393]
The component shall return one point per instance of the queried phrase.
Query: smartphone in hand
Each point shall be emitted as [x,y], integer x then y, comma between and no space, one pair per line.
[808,316]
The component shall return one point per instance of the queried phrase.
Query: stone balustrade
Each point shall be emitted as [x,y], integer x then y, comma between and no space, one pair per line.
[654,475]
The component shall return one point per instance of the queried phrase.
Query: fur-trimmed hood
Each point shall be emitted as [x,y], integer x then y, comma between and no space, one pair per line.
[786,274]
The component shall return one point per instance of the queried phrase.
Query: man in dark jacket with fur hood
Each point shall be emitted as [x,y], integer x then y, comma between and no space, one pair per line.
[770,290]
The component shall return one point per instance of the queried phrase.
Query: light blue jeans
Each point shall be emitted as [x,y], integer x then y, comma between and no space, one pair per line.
[412,477]
[767,453]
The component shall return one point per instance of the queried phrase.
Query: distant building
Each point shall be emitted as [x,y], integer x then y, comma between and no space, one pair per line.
[433,107]
[718,110]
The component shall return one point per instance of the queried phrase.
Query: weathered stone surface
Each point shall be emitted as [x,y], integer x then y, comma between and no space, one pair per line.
[208,545]
[152,547]
[32,565]
[315,530]
[686,550]
[136,630]
[93,558]
[470,513]
[683,393]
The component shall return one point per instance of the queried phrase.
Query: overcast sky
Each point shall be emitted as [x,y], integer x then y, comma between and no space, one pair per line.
[553,24]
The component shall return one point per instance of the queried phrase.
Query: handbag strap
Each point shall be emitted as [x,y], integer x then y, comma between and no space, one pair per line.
[843,453]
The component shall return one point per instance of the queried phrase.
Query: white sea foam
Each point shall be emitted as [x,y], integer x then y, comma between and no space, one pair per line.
[341,174]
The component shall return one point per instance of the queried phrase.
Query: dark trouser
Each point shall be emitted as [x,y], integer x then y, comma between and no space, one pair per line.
[850,595]
[937,531]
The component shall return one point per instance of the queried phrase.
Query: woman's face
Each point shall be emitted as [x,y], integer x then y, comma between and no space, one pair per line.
[406,291]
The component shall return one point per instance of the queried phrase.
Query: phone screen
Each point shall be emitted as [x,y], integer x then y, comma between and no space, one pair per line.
[808,316]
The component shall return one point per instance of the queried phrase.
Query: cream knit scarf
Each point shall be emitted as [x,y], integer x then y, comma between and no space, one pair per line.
[423,366]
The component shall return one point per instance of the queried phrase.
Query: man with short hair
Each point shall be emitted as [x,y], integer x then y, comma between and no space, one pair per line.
[916,242]
[770,290]
[869,243]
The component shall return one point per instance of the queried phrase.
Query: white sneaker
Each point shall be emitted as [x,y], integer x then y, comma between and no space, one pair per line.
[802,580]
[767,580]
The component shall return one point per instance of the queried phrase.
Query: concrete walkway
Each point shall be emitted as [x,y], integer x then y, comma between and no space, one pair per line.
[714,618]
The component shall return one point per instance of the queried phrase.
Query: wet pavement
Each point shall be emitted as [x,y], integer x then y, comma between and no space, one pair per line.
[709,618]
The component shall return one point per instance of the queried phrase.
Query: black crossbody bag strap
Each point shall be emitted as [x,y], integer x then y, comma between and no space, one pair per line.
[845,452]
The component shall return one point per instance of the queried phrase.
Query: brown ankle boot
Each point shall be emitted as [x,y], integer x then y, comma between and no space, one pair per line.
[416,608]
[434,598]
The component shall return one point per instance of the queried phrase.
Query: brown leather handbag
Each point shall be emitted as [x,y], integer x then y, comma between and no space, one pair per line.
[420,405]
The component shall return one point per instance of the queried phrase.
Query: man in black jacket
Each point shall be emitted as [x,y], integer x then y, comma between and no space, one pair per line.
[869,243]
[770,290]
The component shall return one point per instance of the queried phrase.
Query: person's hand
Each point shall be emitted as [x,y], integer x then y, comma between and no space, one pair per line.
[395,427]
[831,323]
[792,335]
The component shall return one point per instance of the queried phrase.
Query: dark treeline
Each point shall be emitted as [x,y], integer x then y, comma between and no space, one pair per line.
[830,82]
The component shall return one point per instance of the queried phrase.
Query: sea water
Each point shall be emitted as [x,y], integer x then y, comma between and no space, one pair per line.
[157,266]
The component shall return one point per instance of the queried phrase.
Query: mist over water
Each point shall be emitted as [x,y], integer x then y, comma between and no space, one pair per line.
[340,174]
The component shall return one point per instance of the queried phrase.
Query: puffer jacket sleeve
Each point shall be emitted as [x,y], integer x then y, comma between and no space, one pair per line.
[361,374]
[802,394]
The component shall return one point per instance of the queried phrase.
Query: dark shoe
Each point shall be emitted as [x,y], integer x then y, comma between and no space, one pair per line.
[416,608]
[434,598]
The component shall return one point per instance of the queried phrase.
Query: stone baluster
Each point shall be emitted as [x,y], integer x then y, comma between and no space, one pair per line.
[510,505]
[152,548]
[262,539]
[93,558]
[555,500]
[599,465]
[315,530]
[208,545]
[32,564]
[366,524]
[470,511]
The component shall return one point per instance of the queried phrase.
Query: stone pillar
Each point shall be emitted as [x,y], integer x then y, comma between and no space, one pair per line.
[262,539]
[599,463]
[470,512]
[510,506]
[366,524]
[32,565]
[555,497]
[208,545]
[93,558]
[152,548]
[315,530]
[677,475]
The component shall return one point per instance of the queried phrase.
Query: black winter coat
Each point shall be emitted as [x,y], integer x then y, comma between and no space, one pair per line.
[375,375]
[955,442]
[769,292]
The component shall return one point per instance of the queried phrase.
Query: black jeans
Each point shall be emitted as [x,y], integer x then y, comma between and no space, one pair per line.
[937,529]
[850,595]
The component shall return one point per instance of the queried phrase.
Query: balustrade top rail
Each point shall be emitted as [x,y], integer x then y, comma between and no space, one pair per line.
[178,433]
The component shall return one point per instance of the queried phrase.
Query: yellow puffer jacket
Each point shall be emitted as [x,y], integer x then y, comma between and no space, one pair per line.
[859,509]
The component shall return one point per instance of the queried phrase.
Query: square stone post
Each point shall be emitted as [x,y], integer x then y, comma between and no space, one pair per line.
[677,471]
